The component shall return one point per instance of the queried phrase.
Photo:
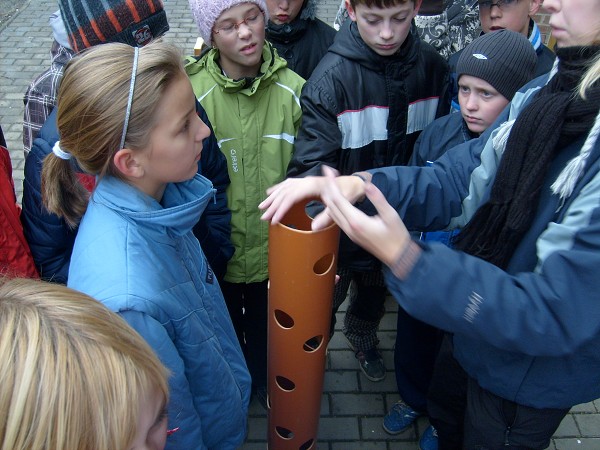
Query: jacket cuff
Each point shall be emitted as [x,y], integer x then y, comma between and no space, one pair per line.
[405,262]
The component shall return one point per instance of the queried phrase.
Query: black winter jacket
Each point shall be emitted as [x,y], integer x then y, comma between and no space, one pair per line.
[302,42]
[363,111]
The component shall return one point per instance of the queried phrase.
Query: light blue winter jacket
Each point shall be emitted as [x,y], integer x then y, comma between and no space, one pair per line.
[140,258]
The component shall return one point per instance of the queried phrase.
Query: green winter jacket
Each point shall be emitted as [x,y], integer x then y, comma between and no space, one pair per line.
[255,122]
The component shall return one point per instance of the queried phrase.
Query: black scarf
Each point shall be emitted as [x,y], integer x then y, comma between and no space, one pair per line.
[555,117]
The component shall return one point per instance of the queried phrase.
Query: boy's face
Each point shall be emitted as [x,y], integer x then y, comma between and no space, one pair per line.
[507,14]
[239,34]
[480,103]
[384,30]
[283,11]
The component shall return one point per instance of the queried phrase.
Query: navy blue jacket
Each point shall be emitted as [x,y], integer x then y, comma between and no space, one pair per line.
[51,239]
[530,333]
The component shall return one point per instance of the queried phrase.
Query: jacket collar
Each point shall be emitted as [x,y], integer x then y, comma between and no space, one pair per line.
[181,206]
[349,44]
[270,65]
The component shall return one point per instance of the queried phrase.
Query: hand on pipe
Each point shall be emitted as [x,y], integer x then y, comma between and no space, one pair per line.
[284,195]
[384,236]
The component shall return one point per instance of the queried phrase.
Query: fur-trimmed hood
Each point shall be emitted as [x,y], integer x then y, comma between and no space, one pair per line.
[309,10]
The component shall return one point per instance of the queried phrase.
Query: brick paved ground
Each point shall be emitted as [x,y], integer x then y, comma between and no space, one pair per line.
[352,407]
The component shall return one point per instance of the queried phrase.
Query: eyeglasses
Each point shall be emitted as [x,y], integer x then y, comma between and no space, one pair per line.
[229,28]
[502,4]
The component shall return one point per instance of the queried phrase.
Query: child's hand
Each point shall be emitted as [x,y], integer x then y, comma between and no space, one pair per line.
[384,235]
[284,195]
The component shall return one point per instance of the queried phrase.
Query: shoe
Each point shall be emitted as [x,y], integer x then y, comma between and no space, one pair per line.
[399,418]
[429,439]
[371,363]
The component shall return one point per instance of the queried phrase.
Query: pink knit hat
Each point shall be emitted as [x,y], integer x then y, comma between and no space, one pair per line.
[206,13]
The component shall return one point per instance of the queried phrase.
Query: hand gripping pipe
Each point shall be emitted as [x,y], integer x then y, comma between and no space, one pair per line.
[302,268]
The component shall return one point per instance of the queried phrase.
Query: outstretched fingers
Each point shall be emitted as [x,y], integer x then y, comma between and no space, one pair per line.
[338,208]
[286,194]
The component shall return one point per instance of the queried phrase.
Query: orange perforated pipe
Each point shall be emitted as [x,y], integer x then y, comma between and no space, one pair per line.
[302,267]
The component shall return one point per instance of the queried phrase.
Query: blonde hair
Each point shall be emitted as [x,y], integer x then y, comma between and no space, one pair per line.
[592,75]
[92,103]
[73,373]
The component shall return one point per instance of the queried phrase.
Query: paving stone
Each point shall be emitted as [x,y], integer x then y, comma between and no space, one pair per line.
[387,385]
[567,428]
[257,429]
[341,381]
[359,404]
[577,444]
[588,424]
[590,407]
[341,359]
[338,428]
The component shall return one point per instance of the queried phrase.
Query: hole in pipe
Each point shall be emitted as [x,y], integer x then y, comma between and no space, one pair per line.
[307,445]
[284,433]
[313,343]
[283,319]
[285,383]
[323,265]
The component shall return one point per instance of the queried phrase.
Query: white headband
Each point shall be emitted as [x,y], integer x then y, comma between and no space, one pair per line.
[130,98]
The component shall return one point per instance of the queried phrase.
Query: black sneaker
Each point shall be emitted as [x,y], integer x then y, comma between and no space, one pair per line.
[371,363]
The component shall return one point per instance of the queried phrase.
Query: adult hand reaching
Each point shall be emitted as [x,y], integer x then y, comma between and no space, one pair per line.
[284,195]
[383,235]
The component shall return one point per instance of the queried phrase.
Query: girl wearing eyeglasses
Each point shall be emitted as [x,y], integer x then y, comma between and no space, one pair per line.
[252,101]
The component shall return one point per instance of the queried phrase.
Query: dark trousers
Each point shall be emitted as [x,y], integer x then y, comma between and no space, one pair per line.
[469,417]
[248,308]
[415,351]
[365,308]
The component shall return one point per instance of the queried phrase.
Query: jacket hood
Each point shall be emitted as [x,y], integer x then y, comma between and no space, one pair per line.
[309,10]
[182,203]
[294,30]
[59,32]
[349,44]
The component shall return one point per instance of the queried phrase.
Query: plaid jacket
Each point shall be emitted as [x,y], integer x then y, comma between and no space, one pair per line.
[40,97]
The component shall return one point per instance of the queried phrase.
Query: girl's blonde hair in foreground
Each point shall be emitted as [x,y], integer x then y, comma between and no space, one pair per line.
[92,104]
[73,373]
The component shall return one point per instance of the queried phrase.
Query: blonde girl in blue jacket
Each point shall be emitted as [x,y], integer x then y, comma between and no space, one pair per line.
[127,115]
[74,374]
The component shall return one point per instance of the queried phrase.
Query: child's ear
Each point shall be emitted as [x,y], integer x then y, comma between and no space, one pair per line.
[126,161]
[534,7]
[351,12]
[418,4]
